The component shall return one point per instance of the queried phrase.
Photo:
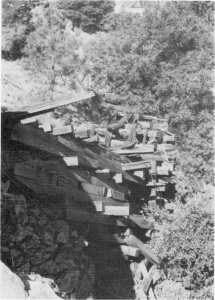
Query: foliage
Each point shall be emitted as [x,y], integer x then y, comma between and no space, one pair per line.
[185,240]
[16,26]
[162,63]
[54,50]
[87,15]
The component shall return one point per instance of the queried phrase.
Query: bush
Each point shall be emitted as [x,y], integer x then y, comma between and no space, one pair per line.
[185,241]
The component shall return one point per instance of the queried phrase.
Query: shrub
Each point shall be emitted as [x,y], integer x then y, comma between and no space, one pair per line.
[185,241]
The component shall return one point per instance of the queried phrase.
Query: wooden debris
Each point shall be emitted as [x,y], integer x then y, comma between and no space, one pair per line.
[148,279]
[117,210]
[118,178]
[51,105]
[71,161]
[120,123]
[45,127]
[145,250]
[136,165]
[29,120]
[130,251]
[62,130]
[143,149]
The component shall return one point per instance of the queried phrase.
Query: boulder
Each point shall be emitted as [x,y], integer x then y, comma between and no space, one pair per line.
[12,286]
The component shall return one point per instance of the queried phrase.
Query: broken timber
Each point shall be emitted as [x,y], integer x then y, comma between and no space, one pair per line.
[47,106]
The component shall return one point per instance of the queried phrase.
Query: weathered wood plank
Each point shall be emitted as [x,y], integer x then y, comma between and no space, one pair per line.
[117,210]
[88,194]
[98,160]
[71,161]
[81,215]
[93,189]
[45,127]
[148,279]
[62,130]
[36,138]
[145,250]
[47,106]
[168,138]
[118,178]
[29,120]
[140,150]
[130,251]
[120,123]
[167,147]
[136,165]
[141,222]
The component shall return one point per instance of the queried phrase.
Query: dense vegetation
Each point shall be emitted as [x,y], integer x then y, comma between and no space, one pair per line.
[160,62]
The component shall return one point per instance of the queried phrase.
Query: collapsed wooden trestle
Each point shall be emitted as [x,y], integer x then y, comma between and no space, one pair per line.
[104,172]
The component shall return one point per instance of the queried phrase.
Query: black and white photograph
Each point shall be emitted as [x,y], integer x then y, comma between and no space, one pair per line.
[107,149]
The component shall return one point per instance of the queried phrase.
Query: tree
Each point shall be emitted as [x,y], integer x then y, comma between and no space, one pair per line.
[16,26]
[54,51]
[162,63]
[86,14]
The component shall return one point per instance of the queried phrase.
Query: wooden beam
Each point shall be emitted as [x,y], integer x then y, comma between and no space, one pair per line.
[98,160]
[147,117]
[81,215]
[168,138]
[136,165]
[117,210]
[92,193]
[120,123]
[71,161]
[140,221]
[140,150]
[145,250]
[130,251]
[29,120]
[167,147]
[47,106]
[148,279]
[45,127]
[118,178]
[62,130]
[93,189]
[36,138]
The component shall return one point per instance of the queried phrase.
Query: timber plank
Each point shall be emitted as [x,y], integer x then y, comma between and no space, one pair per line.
[138,150]
[71,161]
[145,250]
[167,147]
[62,130]
[130,251]
[117,210]
[98,161]
[136,165]
[148,279]
[93,189]
[120,123]
[36,138]
[81,215]
[47,106]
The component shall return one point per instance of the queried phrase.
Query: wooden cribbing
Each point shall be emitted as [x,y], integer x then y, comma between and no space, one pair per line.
[38,139]
[101,162]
